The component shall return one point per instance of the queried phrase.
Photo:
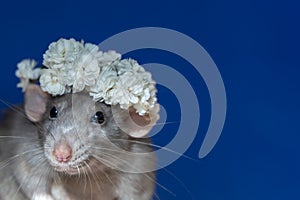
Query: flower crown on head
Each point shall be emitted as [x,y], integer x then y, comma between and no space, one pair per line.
[71,66]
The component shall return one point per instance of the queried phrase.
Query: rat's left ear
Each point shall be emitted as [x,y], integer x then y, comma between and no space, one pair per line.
[35,102]
[133,124]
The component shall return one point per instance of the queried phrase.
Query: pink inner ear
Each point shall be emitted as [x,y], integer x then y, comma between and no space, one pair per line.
[138,119]
[35,102]
[136,125]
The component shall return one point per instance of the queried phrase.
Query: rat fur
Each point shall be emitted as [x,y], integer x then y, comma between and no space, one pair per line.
[56,148]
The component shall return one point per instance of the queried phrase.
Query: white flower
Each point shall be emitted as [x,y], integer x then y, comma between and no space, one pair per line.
[120,95]
[68,74]
[134,87]
[25,69]
[126,65]
[26,72]
[87,71]
[74,67]
[61,53]
[105,83]
[104,58]
[50,82]
[143,88]
[108,58]
[93,50]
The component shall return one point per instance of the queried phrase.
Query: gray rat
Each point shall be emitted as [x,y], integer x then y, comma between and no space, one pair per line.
[72,148]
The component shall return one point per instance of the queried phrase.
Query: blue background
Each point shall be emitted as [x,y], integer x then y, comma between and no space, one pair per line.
[255,45]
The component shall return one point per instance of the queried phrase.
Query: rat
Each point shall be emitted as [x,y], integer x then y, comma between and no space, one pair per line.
[72,148]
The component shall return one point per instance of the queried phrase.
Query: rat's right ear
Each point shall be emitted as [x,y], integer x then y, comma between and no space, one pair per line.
[35,102]
[132,123]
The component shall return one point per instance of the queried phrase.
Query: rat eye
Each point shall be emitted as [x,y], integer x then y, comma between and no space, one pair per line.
[53,112]
[98,118]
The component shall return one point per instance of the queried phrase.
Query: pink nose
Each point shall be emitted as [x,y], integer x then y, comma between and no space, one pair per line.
[62,153]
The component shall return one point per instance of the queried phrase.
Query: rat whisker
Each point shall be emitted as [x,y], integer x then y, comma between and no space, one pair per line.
[157,146]
[85,176]
[14,140]
[50,173]
[20,111]
[96,177]
[79,174]
[56,178]
[28,142]
[180,182]
[50,133]
[156,195]
[105,162]
[170,173]
[27,179]
[105,174]
[162,123]
[7,161]
[121,161]
[109,179]
[119,150]
[13,137]
[160,185]
[91,185]
[155,163]
[36,173]
[130,165]
[17,109]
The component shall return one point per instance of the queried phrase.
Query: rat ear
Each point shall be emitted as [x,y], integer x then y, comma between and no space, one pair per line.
[133,124]
[35,102]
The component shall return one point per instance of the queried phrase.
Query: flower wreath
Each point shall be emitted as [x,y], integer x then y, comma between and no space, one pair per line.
[70,66]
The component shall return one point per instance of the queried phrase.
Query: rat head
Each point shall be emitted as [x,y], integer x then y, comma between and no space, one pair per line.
[80,135]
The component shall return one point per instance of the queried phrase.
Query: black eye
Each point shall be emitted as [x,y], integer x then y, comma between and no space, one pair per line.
[98,118]
[53,112]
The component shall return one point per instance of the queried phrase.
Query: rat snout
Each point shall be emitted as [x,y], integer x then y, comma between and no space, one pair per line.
[62,152]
